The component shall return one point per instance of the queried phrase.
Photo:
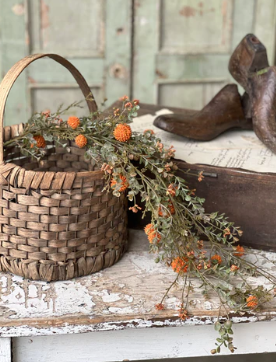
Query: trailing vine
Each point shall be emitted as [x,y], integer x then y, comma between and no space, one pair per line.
[181,234]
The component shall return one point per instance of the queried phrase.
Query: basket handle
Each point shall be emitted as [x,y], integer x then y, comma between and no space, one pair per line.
[17,69]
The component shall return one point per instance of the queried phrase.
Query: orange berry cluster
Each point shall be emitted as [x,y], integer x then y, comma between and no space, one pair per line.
[180,265]
[216,258]
[252,302]
[124,184]
[73,122]
[239,251]
[163,213]
[40,141]
[152,234]
[122,132]
[81,141]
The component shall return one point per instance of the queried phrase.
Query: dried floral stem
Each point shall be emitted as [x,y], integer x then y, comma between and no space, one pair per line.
[140,166]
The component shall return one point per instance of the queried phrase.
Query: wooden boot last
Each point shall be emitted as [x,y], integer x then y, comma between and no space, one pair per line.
[249,66]
[223,112]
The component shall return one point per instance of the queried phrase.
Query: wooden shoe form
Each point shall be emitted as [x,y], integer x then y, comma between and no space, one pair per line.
[223,112]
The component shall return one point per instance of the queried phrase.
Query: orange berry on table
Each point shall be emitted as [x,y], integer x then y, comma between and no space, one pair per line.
[180,265]
[154,236]
[40,141]
[252,301]
[159,306]
[124,183]
[122,132]
[183,314]
[239,251]
[136,102]
[81,141]
[73,122]
[149,228]
[216,258]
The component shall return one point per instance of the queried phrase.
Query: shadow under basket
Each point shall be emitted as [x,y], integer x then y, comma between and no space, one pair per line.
[56,223]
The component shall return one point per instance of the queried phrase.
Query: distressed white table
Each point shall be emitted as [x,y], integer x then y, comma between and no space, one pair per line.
[47,321]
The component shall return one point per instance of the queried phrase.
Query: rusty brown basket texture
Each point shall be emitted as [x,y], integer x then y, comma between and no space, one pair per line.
[55,221]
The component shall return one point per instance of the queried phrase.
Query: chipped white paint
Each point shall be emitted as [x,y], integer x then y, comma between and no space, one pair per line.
[5,350]
[110,297]
[117,298]
[208,306]
[141,344]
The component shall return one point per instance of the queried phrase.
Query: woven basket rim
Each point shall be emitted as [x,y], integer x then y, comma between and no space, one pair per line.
[17,176]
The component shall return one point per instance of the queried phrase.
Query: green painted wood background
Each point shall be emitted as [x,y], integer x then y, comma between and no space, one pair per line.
[169,52]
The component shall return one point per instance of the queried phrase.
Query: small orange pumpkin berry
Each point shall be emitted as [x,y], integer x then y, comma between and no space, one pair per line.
[124,184]
[81,141]
[154,235]
[239,251]
[149,228]
[128,105]
[159,306]
[122,132]
[234,268]
[40,141]
[73,122]
[163,213]
[216,258]
[252,301]
[179,265]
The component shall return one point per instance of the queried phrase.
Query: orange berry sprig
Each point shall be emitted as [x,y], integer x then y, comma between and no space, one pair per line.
[128,105]
[154,236]
[124,98]
[216,258]
[73,122]
[252,302]
[124,184]
[159,306]
[81,141]
[40,141]
[239,251]
[149,228]
[164,213]
[180,265]
[122,132]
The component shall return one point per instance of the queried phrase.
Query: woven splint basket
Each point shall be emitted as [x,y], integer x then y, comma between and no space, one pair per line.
[55,221]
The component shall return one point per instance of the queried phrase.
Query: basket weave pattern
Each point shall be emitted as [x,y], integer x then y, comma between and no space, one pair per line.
[55,221]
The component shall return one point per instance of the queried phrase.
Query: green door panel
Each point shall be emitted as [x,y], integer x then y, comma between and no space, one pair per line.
[95,35]
[182,47]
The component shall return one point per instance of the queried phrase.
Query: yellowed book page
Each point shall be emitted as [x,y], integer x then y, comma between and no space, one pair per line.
[234,148]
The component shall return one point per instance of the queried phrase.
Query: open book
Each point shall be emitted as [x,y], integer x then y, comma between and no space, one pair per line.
[234,148]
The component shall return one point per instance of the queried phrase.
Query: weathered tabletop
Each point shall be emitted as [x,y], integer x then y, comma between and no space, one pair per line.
[120,297]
